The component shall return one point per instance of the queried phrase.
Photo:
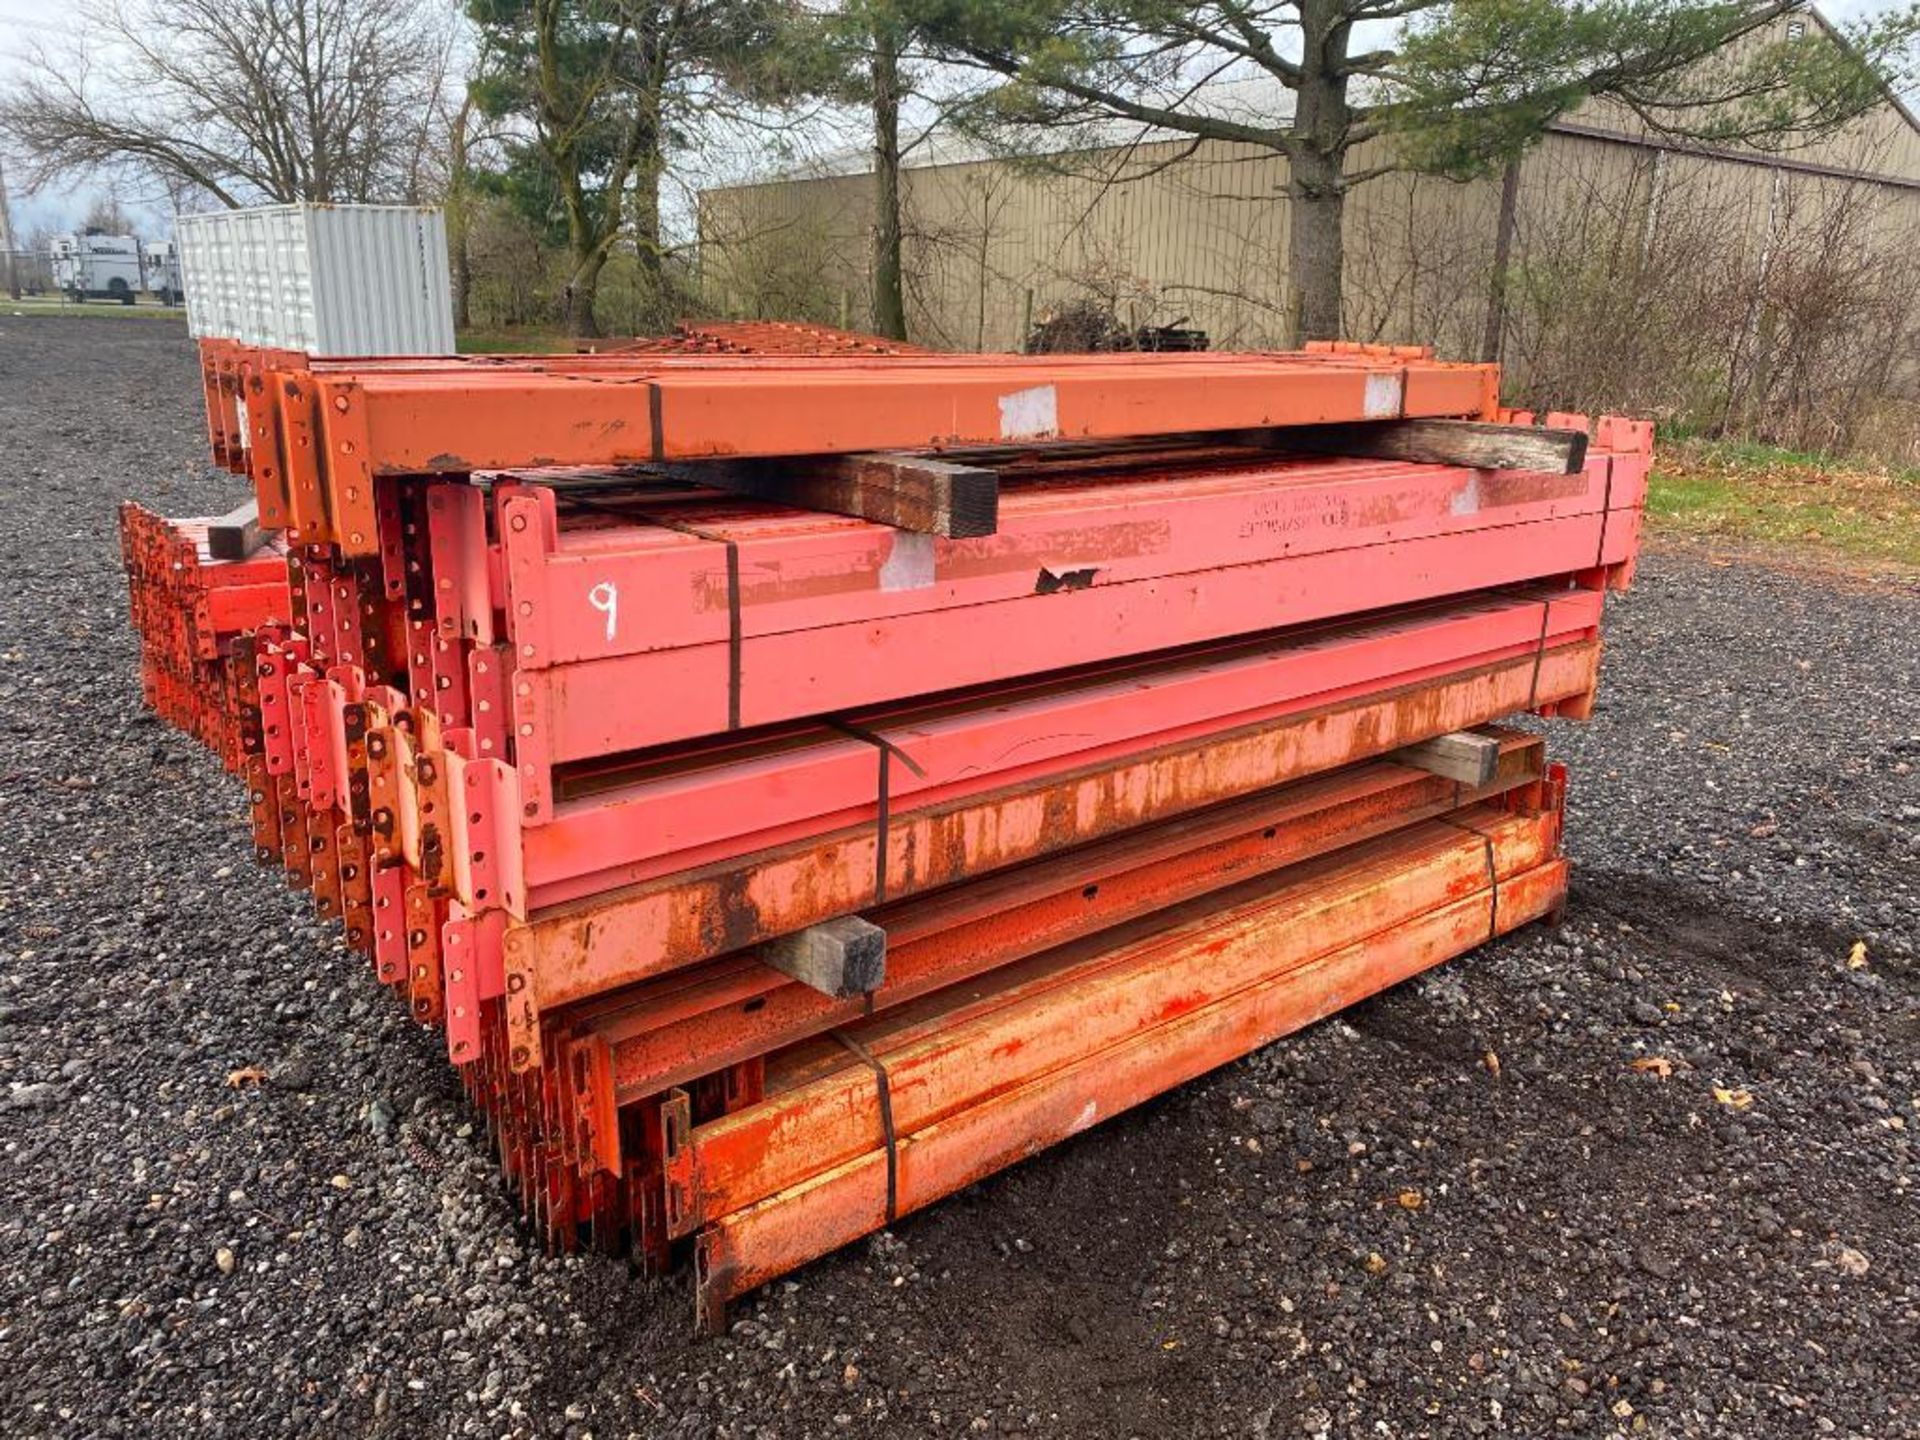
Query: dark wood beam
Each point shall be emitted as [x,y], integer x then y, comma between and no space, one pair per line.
[235,535]
[1436,442]
[842,957]
[909,492]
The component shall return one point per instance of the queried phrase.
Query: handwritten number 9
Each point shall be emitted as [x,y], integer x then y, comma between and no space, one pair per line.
[605,598]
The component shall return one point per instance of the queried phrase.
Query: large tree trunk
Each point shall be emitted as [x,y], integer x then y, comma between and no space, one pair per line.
[587,246]
[591,223]
[649,248]
[587,251]
[460,243]
[649,165]
[583,288]
[1316,184]
[1494,339]
[889,296]
[7,243]
[1315,254]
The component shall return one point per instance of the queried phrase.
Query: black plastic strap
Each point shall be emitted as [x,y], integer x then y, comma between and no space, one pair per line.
[884,1089]
[887,751]
[1539,655]
[736,635]
[1606,514]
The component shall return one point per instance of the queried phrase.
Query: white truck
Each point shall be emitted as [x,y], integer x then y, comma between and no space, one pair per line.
[160,263]
[98,267]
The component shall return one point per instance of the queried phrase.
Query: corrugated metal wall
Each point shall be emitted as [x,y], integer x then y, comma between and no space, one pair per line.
[1171,230]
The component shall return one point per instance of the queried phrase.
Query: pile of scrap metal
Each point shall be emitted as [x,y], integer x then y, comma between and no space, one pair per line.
[196,587]
[801,786]
[1092,327]
[751,337]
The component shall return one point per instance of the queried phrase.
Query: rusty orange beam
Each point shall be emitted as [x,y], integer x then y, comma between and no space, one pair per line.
[953,1049]
[421,424]
[318,439]
[744,1249]
[672,1030]
[586,948]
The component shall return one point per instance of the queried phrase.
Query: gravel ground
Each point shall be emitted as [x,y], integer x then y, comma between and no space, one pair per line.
[1594,1250]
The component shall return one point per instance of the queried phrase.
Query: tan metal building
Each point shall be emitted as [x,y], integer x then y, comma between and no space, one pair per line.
[1600,217]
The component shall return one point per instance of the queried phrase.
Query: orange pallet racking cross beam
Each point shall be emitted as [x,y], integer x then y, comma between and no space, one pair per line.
[317,435]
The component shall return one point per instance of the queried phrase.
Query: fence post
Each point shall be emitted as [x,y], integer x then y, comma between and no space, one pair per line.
[6,239]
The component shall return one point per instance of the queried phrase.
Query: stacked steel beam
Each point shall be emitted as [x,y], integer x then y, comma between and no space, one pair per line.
[188,608]
[772,872]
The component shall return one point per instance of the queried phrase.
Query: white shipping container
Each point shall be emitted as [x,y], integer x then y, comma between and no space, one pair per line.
[325,279]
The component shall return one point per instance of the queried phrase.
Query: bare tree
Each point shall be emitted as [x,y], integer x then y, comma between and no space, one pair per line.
[240,100]
[107,216]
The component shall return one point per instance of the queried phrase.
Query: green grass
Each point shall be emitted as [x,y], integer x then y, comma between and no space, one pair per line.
[1817,508]
[533,341]
[55,305]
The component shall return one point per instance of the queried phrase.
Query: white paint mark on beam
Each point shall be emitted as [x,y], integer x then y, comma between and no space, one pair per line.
[1030,414]
[909,565]
[1386,395]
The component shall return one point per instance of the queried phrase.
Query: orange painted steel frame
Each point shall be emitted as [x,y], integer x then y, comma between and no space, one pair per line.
[578,951]
[464,986]
[548,861]
[625,828]
[188,610]
[598,838]
[747,652]
[446,936]
[836,851]
[479,980]
[663,553]
[1081,1035]
[315,437]
[952,1048]
[579,1108]
[646,1039]
[374,776]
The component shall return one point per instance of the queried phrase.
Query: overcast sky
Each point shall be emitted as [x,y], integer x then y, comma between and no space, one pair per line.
[24,21]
